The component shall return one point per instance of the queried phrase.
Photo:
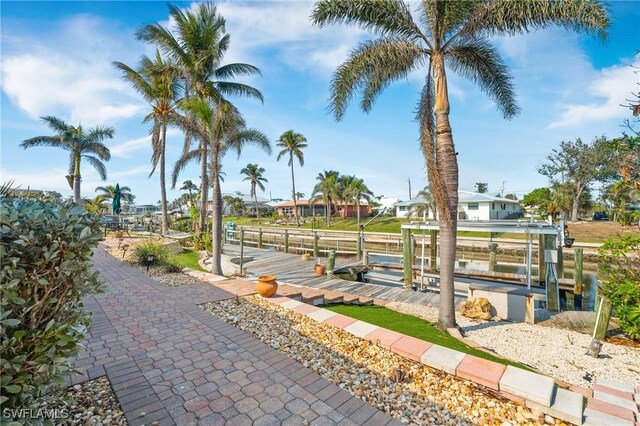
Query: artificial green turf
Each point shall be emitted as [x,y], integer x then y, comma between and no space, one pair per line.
[189,259]
[412,326]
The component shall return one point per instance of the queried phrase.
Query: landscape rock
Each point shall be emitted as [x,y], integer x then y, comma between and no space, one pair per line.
[479,308]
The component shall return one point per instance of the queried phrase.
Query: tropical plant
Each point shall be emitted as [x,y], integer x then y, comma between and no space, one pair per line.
[46,272]
[197,45]
[454,34]
[108,191]
[327,187]
[96,204]
[619,274]
[157,81]
[292,144]
[357,190]
[254,174]
[482,187]
[81,144]
[423,209]
[222,128]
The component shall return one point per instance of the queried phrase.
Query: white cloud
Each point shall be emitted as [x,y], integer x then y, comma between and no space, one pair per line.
[286,26]
[610,87]
[68,73]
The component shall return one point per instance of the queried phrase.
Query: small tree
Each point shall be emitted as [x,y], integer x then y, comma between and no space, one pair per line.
[482,187]
[578,164]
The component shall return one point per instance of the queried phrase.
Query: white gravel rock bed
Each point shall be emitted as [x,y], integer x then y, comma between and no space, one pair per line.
[92,403]
[406,390]
[556,352]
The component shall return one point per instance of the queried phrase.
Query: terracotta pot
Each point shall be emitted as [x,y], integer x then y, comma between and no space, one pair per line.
[306,256]
[266,285]
[320,270]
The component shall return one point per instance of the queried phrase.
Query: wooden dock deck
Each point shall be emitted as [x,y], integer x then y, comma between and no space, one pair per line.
[291,269]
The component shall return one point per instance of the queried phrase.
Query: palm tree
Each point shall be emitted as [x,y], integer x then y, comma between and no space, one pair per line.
[191,187]
[292,143]
[254,176]
[197,45]
[80,144]
[108,191]
[222,128]
[423,209]
[95,205]
[157,81]
[357,190]
[327,186]
[452,33]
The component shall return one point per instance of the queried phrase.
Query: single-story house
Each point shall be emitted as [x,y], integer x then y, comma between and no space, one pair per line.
[144,208]
[310,208]
[471,206]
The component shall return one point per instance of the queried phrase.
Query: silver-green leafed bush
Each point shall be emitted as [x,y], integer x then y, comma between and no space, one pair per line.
[45,256]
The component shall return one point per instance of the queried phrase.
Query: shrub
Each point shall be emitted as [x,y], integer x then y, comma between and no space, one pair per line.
[45,250]
[172,263]
[158,250]
[620,277]
[628,218]
[203,242]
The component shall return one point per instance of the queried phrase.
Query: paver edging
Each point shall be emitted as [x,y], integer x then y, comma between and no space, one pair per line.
[497,370]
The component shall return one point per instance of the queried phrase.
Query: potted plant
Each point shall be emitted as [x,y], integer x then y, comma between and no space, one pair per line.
[266,285]
[319,269]
[306,256]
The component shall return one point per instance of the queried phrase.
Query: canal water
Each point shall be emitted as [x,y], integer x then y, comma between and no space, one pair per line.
[513,265]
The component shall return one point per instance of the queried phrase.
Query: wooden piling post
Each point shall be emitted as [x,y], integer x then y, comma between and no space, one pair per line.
[359,246]
[560,264]
[577,274]
[529,311]
[433,247]
[407,260]
[286,241]
[552,286]
[259,238]
[365,257]
[603,315]
[548,243]
[241,249]
[331,262]
[316,252]
[493,249]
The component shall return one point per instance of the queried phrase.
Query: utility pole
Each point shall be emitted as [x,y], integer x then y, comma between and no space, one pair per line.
[409,180]
[502,188]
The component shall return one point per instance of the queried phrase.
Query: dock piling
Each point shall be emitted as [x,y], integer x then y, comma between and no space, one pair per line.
[286,241]
[241,249]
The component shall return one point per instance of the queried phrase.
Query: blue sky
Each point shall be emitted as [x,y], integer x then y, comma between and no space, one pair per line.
[56,60]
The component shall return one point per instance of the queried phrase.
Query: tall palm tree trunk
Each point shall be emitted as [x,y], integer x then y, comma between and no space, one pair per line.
[163,187]
[293,191]
[574,208]
[216,228]
[76,181]
[447,165]
[204,190]
[255,199]
[358,212]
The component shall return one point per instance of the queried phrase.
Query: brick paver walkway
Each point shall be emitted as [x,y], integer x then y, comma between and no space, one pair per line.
[170,361]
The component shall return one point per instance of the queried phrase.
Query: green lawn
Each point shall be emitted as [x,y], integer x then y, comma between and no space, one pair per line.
[189,259]
[413,326]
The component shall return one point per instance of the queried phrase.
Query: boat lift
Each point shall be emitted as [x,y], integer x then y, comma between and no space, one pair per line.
[555,239]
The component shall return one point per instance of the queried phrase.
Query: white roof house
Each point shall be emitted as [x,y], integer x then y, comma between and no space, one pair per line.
[471,206]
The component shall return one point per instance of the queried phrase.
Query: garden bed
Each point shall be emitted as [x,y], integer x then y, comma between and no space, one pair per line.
[406,390]
[90,403]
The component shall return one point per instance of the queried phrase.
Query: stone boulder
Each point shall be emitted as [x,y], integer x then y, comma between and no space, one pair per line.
[479,308]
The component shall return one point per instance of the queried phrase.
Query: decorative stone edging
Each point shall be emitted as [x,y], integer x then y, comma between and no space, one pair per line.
[524,387]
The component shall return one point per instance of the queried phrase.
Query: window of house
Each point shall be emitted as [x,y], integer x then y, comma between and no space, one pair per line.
[504,206]
[472,206]
[493,206]
[287,210]
[403,208]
